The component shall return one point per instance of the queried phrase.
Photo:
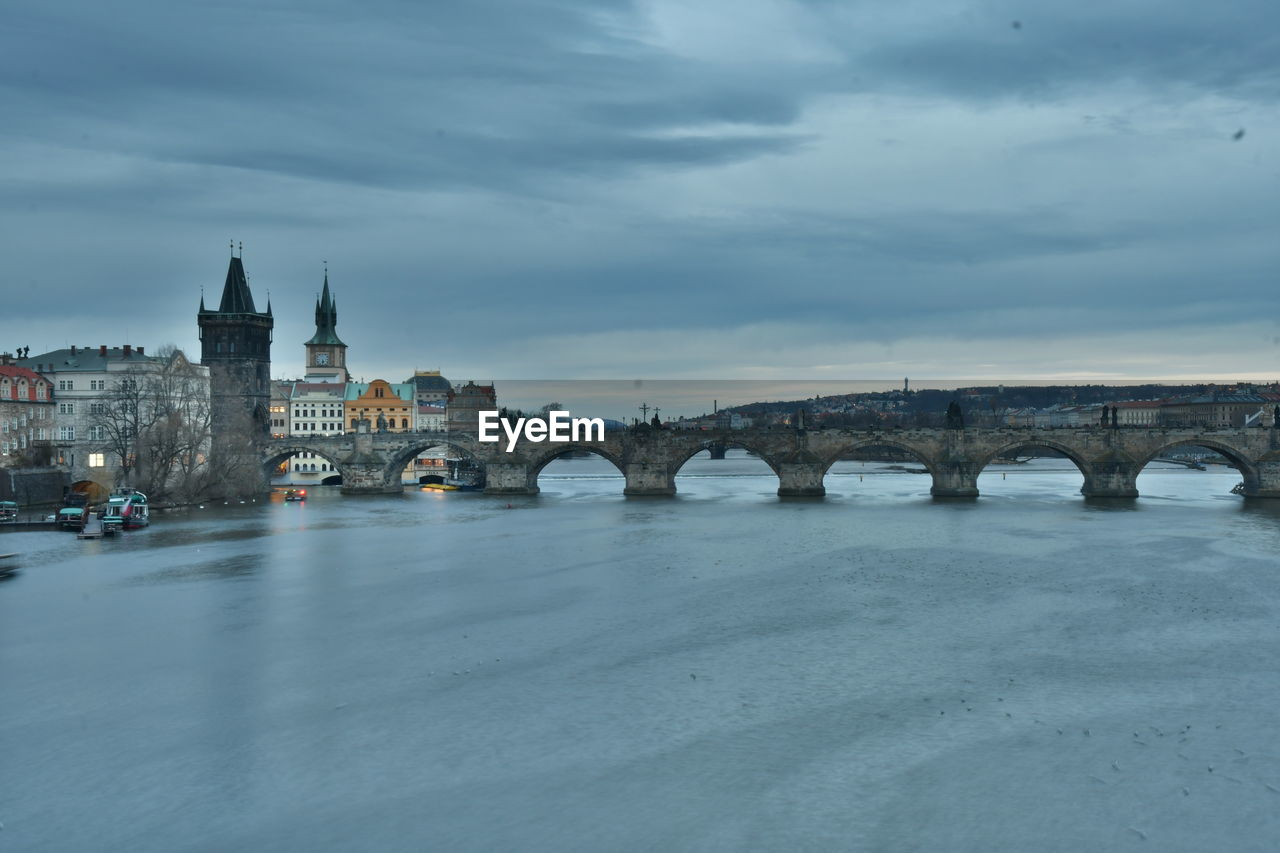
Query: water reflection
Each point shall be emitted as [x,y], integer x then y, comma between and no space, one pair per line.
[223,568]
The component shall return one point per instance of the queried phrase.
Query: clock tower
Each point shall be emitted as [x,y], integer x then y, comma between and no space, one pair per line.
[326,353]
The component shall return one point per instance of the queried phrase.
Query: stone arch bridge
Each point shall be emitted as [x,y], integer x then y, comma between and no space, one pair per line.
[1110,459]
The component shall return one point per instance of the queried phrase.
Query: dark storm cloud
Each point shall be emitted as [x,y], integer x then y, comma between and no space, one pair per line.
[533,168]
[408,95]
[972,51]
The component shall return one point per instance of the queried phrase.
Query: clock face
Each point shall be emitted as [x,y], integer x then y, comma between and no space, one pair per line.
[322,358]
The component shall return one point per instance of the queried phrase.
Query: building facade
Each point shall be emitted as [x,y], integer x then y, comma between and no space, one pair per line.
[387,407]
[464,404]
[106,395]
[430,418]
[26,415]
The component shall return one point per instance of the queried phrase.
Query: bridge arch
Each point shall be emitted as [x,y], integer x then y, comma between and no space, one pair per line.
[401,458]
[277,454]
[554,452]
[1239,459]
[854,445]
[685,454]
[1083,465]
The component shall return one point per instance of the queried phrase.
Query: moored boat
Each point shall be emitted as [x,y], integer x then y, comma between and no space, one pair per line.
[71,518]
[8,512]
[126,509]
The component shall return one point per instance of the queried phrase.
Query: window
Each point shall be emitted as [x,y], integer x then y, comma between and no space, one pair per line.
[66,385]
[97,408]
[67,433]
[66,408]
[41,391]
[97,460]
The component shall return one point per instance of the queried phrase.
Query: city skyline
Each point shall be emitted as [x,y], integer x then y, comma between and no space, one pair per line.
[765,190]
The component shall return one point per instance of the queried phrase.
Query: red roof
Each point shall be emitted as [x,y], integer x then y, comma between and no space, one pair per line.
[34,380]
[23,372]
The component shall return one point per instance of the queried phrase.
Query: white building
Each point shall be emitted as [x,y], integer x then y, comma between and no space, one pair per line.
[87,386]
[430,418]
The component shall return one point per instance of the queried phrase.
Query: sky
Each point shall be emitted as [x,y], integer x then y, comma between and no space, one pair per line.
[557,189]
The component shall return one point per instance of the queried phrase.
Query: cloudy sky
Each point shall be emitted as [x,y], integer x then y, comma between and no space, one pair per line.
[726,188]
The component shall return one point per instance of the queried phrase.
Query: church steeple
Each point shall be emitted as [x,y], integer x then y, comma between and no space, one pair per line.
[326,319]
[326,353]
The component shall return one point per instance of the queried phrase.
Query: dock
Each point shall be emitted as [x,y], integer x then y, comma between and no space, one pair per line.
[92,528]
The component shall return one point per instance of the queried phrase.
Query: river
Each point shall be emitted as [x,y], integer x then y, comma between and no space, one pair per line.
[721,670]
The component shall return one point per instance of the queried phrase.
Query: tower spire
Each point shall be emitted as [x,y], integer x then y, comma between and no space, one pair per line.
[326,317]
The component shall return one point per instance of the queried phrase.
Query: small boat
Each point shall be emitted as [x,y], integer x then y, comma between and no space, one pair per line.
[127,509]
[8,512]
[71,518]
[440,487]
[295,495]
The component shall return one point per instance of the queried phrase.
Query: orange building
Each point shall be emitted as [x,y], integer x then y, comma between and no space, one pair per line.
[389,408]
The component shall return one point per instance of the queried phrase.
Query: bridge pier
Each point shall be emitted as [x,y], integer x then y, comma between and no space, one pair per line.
[1113,476]
[1268,483]
[368,478]
[647,479]
[364,472]
[717,450]
[801,480]
[509,478]
[955,479]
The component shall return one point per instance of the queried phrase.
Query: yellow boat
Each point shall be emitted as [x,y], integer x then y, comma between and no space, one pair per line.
[440,487]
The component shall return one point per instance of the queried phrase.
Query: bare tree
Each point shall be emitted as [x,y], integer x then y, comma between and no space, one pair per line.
[124,415]
[156,421]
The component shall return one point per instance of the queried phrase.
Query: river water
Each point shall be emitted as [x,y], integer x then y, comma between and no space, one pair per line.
[716,671]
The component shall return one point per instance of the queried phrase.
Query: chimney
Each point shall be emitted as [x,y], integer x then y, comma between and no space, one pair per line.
[73,349]
[102,350]
[128,350]
[142,350]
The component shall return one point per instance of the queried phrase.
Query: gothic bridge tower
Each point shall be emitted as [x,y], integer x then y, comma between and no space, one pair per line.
[235,344]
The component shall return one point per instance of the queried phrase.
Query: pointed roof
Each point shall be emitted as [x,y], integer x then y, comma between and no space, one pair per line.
[236,298]
[326,319]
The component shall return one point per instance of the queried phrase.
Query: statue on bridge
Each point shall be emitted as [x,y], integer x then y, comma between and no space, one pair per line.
[955,417]
[382,423]
[1115,417]
[1105,410]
